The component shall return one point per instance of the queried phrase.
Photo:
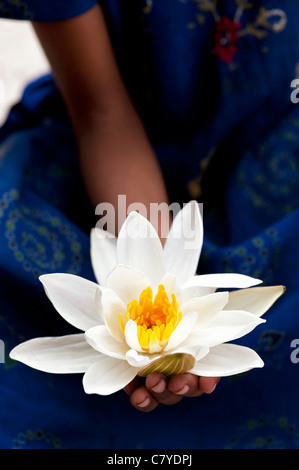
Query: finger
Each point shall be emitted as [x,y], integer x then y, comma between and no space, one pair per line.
[190,385]
[156,383]
[142,400]
[136,383]
[186,385]
[208,384]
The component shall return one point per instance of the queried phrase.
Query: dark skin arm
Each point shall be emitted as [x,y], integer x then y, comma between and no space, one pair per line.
[115,153]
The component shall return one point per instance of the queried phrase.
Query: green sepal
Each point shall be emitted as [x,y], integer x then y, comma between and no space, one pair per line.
[172,364]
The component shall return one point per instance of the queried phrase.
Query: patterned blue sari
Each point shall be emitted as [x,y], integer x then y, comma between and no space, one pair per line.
[212,82]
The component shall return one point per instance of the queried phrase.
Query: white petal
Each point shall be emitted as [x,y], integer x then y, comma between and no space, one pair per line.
[61,355]
[127,283]
[207,307]
[131,336]
[227,326]
[101,340]
[182,331]
[139,246]
[195,291]
[111,306]
[103,253]
[154,348]
[184,242]
[137,360]
[108,376]
[222,280]
[74,298]
[256,300]
[171,287]
[227,359]
[195,350]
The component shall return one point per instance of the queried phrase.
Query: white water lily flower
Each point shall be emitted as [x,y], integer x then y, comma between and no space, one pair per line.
[149,312]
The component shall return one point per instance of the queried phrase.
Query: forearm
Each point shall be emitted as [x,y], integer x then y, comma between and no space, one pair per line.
[116,155]
[117,159]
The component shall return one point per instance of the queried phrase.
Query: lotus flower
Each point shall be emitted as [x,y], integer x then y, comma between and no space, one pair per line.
[148,310]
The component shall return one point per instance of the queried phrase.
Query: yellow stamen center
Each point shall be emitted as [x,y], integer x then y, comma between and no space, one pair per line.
[156,320]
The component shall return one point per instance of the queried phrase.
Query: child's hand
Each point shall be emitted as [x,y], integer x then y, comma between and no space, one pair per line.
[159,389]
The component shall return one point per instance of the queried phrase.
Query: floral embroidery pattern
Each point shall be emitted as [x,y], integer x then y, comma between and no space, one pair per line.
[228,31]
[225,39]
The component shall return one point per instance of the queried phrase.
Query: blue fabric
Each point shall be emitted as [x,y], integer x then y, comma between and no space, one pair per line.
[37,10]
[225,131]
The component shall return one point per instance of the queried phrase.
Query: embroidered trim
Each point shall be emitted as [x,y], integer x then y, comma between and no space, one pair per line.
[228,31]
[147,7]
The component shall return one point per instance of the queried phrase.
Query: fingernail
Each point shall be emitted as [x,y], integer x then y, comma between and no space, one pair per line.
[159,387]
[183,390]
[144,403]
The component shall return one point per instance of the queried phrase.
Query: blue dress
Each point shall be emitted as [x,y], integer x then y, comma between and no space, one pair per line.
[212,82]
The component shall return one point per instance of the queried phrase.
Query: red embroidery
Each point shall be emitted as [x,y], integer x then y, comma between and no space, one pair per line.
[228,32]
[225,39]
